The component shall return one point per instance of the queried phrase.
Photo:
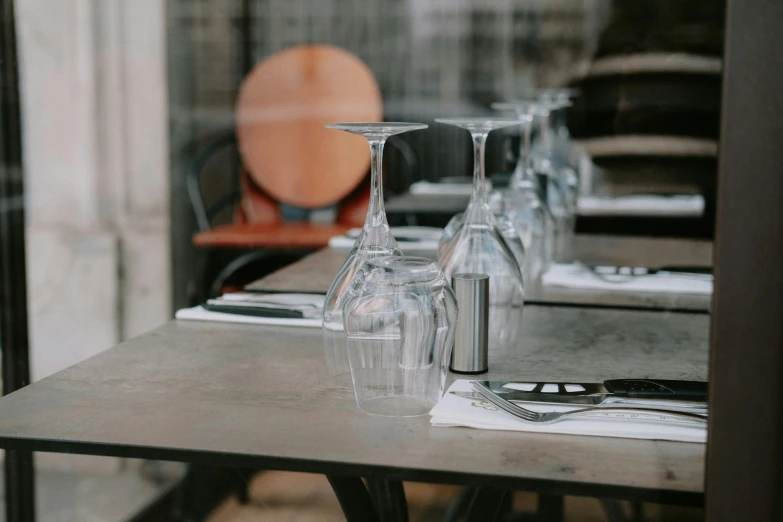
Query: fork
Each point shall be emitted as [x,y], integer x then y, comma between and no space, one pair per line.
[649,414]
[619,275]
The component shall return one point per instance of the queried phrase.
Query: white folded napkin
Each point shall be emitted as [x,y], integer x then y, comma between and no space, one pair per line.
[454,411]
[577,276]
[642,205]
[311,304]
[444,189]
[426,238]
[198,313]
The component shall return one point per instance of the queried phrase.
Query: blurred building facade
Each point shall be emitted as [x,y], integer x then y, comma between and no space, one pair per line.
[431,58]
[95,140]
[118,97]
[448,50]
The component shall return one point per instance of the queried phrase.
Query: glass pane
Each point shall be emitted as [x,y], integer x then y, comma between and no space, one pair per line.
[173,151]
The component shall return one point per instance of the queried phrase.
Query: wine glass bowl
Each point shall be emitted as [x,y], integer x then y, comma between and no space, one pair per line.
[479,247]
[557,179]
[399,319]
[524,202]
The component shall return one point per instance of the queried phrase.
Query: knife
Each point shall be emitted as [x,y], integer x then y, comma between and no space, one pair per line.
[640,270]
[701,272]
[641,403]
[256,311]
[686,395]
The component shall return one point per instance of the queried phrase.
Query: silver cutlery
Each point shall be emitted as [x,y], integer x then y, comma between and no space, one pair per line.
[264,302]
[624,274]
[646,414]
[283,306]
[648,393]
[642,404]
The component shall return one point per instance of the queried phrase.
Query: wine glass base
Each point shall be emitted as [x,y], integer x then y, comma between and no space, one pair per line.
[342,380]
[397,406]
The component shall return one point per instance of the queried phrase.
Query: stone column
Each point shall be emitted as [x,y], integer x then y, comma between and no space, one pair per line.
[94,116]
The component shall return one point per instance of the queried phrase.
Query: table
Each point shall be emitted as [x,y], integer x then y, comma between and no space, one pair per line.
[255,396]
[316,272]
[259,397]
[285,235]
[447,204]
[436,210]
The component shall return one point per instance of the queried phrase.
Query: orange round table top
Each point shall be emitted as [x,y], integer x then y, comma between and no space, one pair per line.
[281,110]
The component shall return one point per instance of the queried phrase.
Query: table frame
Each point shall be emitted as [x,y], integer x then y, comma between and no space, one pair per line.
[744,473]
[340,469]
[19,473]
[132,390]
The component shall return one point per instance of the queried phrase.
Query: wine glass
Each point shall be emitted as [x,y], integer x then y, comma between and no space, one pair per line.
[400,316]
[561,150]
[374,240]
[524,111]
[523,201]
[562,145]
[514,239]
[557,181]
[479,246]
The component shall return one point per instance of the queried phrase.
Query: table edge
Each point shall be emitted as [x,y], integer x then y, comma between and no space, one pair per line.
[327,467]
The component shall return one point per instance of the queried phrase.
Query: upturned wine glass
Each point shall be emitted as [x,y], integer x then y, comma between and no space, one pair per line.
[558,147]
[374,240]
[479,247]
[514,239]
[400,316]
[523,201]
[560,189]
[560,98]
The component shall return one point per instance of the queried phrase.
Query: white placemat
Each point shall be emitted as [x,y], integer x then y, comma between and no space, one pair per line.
[426,238]
[444,189]
[453,411]
[642,205]
[576,276]
[198,313]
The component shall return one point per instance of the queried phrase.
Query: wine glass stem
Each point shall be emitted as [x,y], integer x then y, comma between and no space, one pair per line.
[524,162]
[557,118]
[545,136]
[543,157]
[479,196]
[376,215]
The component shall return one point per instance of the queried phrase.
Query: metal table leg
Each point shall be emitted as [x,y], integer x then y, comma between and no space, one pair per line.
[389,499]
[19,486]
[14,345]
[487,505]
[551,508]
[637,509]
[354,499]
[459,505]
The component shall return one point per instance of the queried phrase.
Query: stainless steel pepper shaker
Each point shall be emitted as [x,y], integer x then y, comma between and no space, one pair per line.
[471,340]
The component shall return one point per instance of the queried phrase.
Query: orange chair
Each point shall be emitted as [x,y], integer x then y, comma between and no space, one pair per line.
[289,158]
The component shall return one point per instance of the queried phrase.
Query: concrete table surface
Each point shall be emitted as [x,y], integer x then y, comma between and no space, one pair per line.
[259,396]
[427,204]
